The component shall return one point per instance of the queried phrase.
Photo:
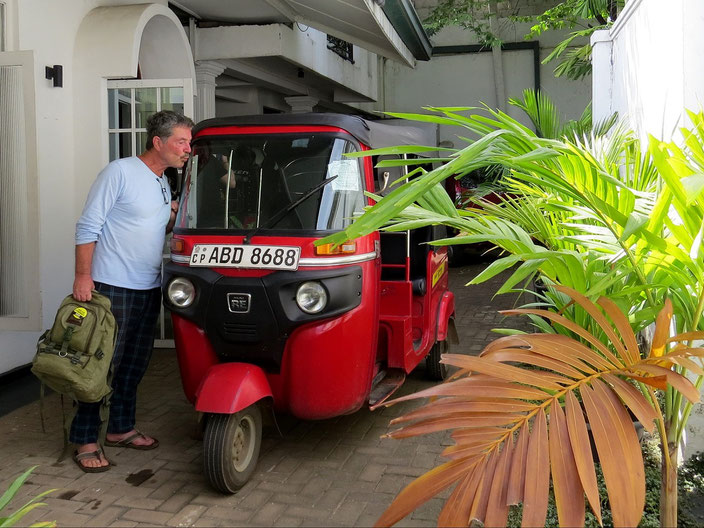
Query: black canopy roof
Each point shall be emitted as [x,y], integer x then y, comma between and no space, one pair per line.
[374,134]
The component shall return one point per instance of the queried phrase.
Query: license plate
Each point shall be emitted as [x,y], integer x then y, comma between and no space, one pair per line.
[245,256]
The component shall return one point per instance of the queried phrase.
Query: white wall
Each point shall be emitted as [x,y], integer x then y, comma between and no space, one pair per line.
[65,166]
[648,69]
[468,79]
[307,49]
[649,66]
[50,36]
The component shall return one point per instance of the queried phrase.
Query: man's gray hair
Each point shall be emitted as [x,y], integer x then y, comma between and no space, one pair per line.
[162,124]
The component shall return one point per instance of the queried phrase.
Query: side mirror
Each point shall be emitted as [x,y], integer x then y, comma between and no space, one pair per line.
[385,179]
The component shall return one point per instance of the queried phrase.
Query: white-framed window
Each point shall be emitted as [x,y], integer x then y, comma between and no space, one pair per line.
[19,224]
[130,103]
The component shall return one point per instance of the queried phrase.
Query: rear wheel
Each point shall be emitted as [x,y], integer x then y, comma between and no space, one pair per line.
[231,447]
[435,370]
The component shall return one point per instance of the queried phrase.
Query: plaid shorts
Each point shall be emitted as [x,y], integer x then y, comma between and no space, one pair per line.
[136,313]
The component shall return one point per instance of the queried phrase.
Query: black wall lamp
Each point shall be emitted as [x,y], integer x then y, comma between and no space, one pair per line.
[56,73]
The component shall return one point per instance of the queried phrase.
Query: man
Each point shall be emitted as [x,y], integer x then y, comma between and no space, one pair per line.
[119,243]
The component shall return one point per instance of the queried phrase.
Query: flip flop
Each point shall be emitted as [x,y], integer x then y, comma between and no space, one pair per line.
[128,442]
[77,457]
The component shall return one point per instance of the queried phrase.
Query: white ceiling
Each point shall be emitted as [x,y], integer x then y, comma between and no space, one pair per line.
[236,11]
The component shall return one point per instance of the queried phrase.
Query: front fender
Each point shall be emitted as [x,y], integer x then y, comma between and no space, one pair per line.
[230,387]
[445,324]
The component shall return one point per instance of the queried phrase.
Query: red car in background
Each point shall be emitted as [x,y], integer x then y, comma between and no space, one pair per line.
[481,183]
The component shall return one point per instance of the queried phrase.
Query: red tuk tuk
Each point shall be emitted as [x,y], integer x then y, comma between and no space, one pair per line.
[262,317]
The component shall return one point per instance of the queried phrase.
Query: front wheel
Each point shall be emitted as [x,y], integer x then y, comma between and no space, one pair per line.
[435,370]
[231,446]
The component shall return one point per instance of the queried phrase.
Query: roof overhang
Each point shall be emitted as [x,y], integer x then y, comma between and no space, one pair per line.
[389,28]
[362,22]
[405,21]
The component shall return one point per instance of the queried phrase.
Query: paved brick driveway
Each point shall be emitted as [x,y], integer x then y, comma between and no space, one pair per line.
[335,472]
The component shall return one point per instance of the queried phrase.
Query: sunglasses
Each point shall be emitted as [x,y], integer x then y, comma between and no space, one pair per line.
[164,192]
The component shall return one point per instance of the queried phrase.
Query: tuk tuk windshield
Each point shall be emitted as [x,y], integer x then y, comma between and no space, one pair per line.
[247,183]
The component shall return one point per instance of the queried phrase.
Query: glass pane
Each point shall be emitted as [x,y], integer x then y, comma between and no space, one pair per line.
[113,141]
[172,99]
[245,183]
[343,198]
[112,108]
[119,108]
[123,145]
[164,328]
[145,105]
[141,142]
[124,100]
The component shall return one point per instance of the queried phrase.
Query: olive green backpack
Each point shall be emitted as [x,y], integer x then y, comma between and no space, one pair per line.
[74,356]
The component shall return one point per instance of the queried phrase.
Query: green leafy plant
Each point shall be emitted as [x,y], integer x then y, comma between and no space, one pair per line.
[600,215]
[489,182]
[13,518]
[545,117]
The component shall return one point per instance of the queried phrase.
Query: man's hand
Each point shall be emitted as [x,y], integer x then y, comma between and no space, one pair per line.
[172,217]
[83,286]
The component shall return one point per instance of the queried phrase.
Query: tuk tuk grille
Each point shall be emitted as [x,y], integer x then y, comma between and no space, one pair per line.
[240,329]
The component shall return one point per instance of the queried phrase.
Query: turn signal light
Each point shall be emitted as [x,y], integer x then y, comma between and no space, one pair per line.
[343,249]
[178,245]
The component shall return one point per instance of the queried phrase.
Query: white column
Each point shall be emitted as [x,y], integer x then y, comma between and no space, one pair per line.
[206,73]
[301,103]
[602,75]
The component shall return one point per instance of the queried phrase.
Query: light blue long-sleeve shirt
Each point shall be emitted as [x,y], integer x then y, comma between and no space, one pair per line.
[126,216]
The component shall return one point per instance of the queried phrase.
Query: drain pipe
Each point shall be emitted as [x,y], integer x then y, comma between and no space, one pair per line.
[498,63]
[532,45]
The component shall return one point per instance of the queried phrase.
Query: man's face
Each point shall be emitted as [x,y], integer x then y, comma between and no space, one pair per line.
[174,151]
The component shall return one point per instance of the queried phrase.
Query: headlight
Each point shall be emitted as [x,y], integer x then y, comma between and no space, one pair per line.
[181,292]
[311,297]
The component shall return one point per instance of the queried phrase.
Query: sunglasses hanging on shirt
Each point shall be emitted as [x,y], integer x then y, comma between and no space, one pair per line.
[164,192]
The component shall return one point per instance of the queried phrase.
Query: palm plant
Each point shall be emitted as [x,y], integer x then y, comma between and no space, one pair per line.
[600,215]
[547,122]
[545,116]
[14,518]
[526,406]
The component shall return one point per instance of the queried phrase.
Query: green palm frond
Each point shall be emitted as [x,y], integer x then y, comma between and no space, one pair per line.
[541,111]
[14,518]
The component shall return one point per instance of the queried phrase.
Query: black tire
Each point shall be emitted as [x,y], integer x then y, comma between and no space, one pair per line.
[231,448]
[435,370]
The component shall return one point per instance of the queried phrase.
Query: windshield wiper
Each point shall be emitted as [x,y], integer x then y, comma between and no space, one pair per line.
[290,207]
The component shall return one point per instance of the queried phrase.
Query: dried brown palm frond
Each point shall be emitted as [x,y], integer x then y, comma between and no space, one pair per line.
[522,412]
